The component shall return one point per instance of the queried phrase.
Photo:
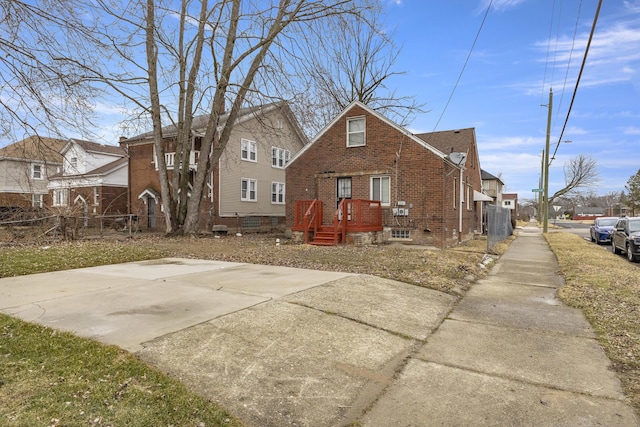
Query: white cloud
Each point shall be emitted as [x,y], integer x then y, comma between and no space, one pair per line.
[500,143]
[631,130]
[613,55]
[500,5]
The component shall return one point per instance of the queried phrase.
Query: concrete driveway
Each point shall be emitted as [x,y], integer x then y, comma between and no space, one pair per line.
[274,345]
[130,304]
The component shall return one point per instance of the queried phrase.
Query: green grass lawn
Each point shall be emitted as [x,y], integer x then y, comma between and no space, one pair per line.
[606,288]
[51,378]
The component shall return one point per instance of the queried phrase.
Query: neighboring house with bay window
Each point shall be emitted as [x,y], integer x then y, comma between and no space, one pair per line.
[397,186]
[245,190]
[25,168]
[92,183]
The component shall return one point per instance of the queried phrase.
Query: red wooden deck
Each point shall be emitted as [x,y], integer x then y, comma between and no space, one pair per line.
[351,216]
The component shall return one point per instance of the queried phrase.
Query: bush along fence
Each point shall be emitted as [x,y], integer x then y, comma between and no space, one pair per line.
[34,225]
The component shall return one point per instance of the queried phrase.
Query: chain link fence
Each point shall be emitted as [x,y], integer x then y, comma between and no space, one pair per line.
[499,225]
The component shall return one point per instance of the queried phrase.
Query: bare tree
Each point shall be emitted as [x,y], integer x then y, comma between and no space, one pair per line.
[355,62]
[174,60]
[580,172]
[41,92]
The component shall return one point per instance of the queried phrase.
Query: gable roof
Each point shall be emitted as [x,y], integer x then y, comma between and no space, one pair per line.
[35,148]
[100,171]
[486,176]
[94,147]
[449,141]
[372,112]
[199,124]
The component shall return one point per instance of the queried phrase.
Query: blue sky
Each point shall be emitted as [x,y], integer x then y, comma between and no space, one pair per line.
[523,50]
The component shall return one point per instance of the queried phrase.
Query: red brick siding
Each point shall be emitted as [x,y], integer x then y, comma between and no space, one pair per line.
[143,175]
[419,177]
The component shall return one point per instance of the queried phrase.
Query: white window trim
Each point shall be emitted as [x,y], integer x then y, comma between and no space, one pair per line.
[371,185]
[37,200]
[275,191]
[40,171]
[364,131]
[252,147]
[249,181]
[280,157]
[61,197]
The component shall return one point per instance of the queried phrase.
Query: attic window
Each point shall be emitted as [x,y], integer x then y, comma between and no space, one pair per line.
[355,132]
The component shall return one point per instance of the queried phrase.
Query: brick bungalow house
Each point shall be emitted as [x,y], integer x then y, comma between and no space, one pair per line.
[93,181]
[246,188]
[25,168]
[425,186]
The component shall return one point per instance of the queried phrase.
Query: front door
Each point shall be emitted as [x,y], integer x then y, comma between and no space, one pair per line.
[151,212]
[343,192]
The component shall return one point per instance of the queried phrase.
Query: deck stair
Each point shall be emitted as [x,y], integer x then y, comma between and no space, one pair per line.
[326,236]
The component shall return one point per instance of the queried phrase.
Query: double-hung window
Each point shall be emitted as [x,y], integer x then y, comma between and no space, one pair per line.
[277,193]
[381,189]
[355,132]
[36,201]
[248,150]
[60,197]
[249,190]
[279,157]
[36,171]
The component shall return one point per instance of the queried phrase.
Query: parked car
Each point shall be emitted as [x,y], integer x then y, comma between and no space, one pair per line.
[601,229]
[626,238]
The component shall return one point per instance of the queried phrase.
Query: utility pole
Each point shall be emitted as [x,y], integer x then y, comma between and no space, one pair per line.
[545,223]
[540,185]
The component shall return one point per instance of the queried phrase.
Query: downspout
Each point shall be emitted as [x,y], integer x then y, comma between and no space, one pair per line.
[461,202]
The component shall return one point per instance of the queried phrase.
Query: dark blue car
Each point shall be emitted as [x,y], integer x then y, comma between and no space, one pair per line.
[601,229]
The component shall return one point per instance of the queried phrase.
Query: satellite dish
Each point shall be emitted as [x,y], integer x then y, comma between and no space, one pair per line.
[457,158]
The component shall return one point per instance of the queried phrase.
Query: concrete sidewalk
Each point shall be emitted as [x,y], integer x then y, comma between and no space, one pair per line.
[509,354]
[290,347]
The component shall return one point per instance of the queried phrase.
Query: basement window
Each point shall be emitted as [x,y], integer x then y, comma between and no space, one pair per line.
[401,234]
[251,222]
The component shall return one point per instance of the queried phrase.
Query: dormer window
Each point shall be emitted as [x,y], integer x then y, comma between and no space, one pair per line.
[355,132]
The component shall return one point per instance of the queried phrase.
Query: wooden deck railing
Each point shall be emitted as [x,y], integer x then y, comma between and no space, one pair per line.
[352,215]
[363,215]
[307,215]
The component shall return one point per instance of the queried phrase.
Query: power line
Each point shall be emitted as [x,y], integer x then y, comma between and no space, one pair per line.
[573,42]
[546,63]
[575,90]
[464,66]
